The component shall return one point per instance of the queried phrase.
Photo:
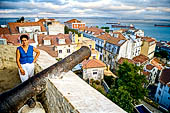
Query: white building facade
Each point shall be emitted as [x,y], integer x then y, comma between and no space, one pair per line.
[55,28]
[162,95]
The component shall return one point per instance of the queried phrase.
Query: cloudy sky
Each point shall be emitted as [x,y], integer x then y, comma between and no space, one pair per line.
[136,9]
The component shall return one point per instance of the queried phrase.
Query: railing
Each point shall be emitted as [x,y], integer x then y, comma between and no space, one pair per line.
[12,100]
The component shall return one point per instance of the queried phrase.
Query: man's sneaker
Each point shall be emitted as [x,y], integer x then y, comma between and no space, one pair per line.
[31,103]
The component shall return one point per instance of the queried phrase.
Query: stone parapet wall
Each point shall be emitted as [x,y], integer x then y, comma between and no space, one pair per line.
[70,94]
[7,56]
[55,102]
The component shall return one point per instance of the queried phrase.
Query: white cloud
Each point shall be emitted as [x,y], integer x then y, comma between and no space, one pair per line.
[121,8]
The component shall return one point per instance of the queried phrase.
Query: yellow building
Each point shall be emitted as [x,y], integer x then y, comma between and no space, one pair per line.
[82,41]
[148,47]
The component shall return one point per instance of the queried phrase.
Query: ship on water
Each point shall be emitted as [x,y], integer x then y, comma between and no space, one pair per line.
[156,25]
[123,26]
[118,23]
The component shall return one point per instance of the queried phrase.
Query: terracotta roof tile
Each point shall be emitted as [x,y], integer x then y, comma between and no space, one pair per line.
[123,30]
[165,76]
[104,36]
[146,73]
[83,28]
[117,40]
[54,39]
[4,31]
[49,50]
[140,59]
[14,30]
[157,63]
[149,66]
[73,21]
[15,39]
[121,60]
[94,30]
[148,39]
[93,63]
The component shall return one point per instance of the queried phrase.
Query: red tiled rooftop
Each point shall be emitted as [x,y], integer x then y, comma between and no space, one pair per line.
[123,30]
[146,73]
[148,39]
[15,39]
[117,40]
[13,26]
[93,63]
[165,76]
[73,21]
[104,36]
[121,60]
[157,63]
[4,31]
[149,67]
[140,59]
[49,50]
[54,39]
[95,29]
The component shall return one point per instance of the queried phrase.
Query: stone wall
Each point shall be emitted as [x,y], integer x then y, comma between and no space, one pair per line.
[54,102]
[9,77]
[7,56]
[70,94]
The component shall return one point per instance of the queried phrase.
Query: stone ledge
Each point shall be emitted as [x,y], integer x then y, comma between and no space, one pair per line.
[83,97]
[73,94]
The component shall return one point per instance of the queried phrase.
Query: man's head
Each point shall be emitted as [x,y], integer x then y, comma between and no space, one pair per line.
[24,39]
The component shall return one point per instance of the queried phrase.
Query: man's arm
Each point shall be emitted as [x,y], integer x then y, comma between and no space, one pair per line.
[37,54]
[18,62]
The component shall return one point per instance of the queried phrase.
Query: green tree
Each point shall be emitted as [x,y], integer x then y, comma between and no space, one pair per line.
[164,54]
[129,83]
[121,97]
[66,30]
[21,19]
[161,54]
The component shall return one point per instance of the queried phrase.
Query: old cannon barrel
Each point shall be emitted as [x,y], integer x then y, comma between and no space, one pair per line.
[14,99]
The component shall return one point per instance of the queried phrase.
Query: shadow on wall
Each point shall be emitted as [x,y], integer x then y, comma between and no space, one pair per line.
[9,78]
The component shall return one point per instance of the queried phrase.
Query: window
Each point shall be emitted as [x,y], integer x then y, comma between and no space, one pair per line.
[60,51]
[112,49]
[94,73]
[68,50]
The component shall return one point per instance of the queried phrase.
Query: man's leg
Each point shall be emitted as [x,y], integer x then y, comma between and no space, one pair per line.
[23,77]
[30,69]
